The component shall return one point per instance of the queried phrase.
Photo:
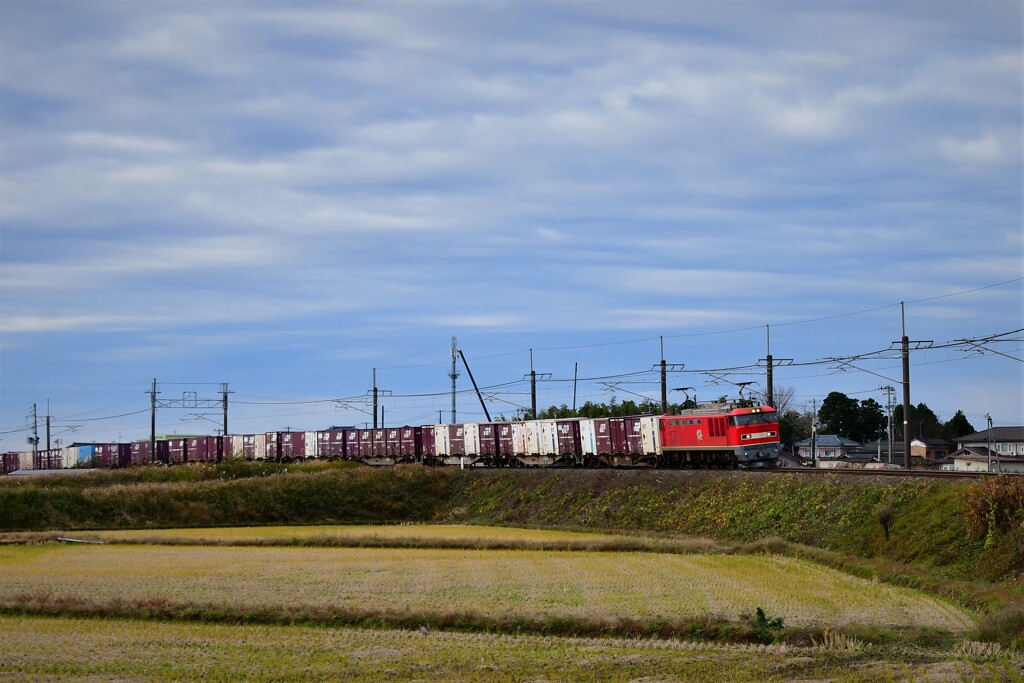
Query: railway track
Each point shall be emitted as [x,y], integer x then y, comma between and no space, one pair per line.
[931,474]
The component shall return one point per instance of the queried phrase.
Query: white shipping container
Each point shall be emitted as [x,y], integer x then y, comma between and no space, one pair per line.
[472,438]
[441,445]
[518,438]
[651,434]
[540,437]
[259,446]
[25,460]
[237,445]
[533,438]
[588,437]
[311,445]
[549,437]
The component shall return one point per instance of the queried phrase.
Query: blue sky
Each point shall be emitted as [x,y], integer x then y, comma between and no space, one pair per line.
[284,196]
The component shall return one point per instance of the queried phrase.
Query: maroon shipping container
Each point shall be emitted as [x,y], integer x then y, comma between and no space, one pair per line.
[10,462]
[634,434]
[380,443]
[198,449]
[177,451]
[293,444]
[456,439]
[52,459]
[366,443]
[618,436]
[124,454]
[353,443]
[140,453]
[226,443]
[604,439]
[410,442]
[286,445]
[330,443]
[393,442]
[106,455]
[427,445]
[569,437]
[206,449]
[488,439]
[505,445]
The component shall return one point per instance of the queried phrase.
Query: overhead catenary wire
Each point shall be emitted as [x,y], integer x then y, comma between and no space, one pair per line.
[976,345]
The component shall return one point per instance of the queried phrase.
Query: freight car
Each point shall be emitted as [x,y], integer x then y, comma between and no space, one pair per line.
[719,436]
[716,436]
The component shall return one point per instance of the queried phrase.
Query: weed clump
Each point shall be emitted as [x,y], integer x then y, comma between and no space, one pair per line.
[766,628]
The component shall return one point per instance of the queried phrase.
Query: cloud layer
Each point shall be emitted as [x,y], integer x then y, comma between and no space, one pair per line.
[375,175]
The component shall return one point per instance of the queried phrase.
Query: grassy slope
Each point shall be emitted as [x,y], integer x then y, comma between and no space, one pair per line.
[931,526]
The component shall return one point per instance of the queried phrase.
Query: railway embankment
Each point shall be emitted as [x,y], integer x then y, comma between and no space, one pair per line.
[941,535]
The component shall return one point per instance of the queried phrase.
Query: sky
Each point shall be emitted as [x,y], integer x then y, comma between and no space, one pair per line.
[296,197]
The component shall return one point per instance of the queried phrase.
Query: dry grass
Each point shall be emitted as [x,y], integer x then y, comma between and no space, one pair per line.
[52,649]
[498,587]
[385,531]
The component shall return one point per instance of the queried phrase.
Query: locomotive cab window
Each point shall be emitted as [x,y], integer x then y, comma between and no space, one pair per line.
[753,419]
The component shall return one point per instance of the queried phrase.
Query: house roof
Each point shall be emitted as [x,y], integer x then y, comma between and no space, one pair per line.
[974,456]
[933,441]
[859,456]
[829,441]
[998,434]
[897,446]
[795,459]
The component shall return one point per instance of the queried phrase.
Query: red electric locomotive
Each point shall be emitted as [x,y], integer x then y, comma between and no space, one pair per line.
[725,435]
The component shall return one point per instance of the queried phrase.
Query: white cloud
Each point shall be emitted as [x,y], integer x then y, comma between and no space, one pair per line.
[984,150]
[123,143]
[350,169]
[806,120]
[189,39]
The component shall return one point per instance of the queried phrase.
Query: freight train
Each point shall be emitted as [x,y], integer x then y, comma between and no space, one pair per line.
[714,436]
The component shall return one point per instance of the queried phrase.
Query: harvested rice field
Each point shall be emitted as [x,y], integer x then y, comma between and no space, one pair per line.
[291,604]
[109,649]
[482,587]
[384,531]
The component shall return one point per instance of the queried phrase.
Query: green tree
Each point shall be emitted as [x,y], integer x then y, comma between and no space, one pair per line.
[860,421]
[870,421]
[957,426]
[838,415]
[794,426]
[922,422]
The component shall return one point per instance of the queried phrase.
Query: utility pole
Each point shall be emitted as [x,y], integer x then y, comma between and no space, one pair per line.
[35,434]
[814,432]
[905,343]
[988,445]
[664,379]
[454,374]
[475,387]
[373,395]
[575,377]
[770,362]
[224,399]
[152,422]
[533,389]
[888,414]
[47,424]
